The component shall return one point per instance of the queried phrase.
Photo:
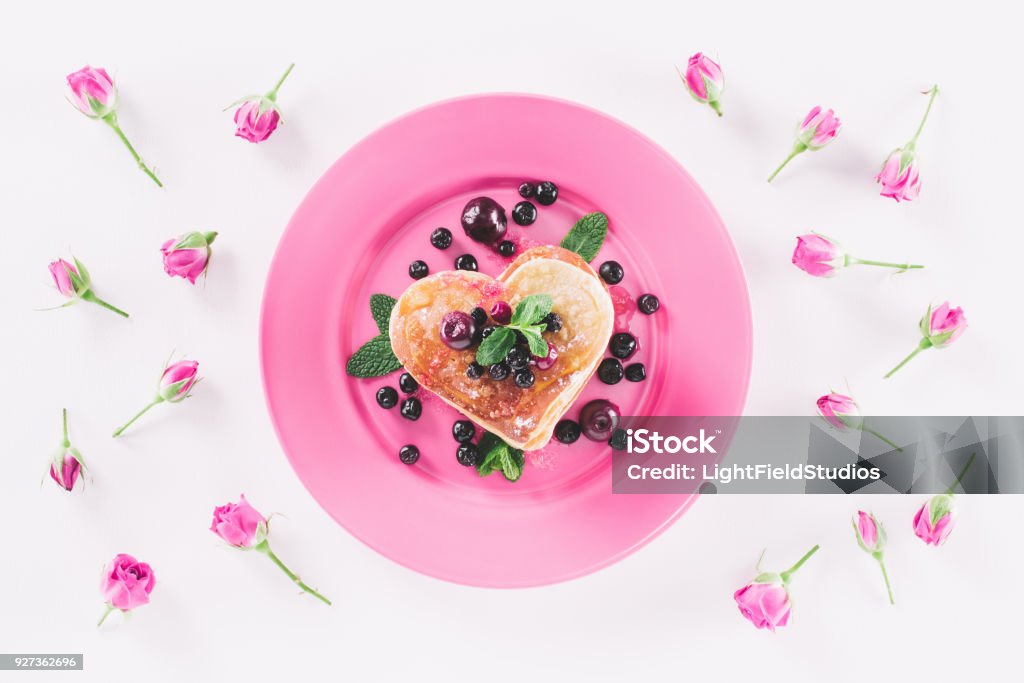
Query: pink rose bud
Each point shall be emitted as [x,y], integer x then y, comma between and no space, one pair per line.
[822,256]
[900,176]
[241,526]
[704,80]
[765,600]
[871,539]
[935,519]
[66,464]
[817,130]
[257,116]
[74,282]
[175,386]
[940,327]
[188,256]
[839,411]
[93,93]
[126,584]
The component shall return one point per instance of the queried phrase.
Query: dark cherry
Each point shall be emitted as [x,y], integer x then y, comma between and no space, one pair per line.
[622,345]
[499,371]
[524,378]
[598,419]
[441,238]
[408,454]
[611,272]
[547,193]
[648,303]
[387,397]
[610,371]
[467,454]
[501,312]
[411,409]
[463,430]
[506,248]
[524,213]
[418,270]
[567,431]
[479,316]
[552,321]
[636,372]
[474,370]
[484,220]
[407,384]
[618,440]
[457,330]
[527,190]
[465,262]
[548,361]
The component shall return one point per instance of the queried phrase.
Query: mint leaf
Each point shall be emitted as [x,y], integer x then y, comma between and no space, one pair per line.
[512,461]
[380,308]
[538,347]
[531,309]
[373,359]
[587,236]
[496,455]
[496,346]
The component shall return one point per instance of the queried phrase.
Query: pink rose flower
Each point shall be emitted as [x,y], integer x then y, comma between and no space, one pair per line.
[188,256]
[74,282]
[241,526]
[935,519]
[839,410]
[93,93]
[765,600]
[939,327]
[900,176]
[871,539]
[818,128]
[66,464]
[822,256]
[257,116]
[175,386]
[704,80]
[126,584]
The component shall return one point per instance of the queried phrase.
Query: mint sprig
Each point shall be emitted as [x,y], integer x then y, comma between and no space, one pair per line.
[526,319]
[498,456]
[586,237]
[375,358]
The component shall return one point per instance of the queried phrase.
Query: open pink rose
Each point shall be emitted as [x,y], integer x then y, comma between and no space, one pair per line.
[188,256]
[257,116]
[704,80]
[940,326]
[126,584]
[239,524]
[92,91]
[765,605]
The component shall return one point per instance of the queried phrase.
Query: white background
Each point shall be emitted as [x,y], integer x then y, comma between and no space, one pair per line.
[665,613]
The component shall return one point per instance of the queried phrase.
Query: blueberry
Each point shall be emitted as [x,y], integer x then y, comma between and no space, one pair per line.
[418,270]
[547,193]
[411,409]
[487,331]
[636,372]
[610,371]
[527,190]
[553,321]
[648,303]
[499,371]
[408,454]
[524,213]
[467,454]
[622,345]
[518,358]
[465,262]
[524,378]
[611,272]
[441,238]
[407,384]
[387,397]
[479,316]
[567,431]
[474,370]
[618,440]
[463,430]
[506,248]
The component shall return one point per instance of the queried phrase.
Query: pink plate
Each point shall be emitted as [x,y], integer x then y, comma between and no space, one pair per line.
[371,215]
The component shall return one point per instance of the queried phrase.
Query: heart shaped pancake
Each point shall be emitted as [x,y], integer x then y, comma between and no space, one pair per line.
[524,418]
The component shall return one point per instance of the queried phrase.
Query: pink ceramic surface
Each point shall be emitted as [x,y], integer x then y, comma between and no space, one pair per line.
[357,231]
